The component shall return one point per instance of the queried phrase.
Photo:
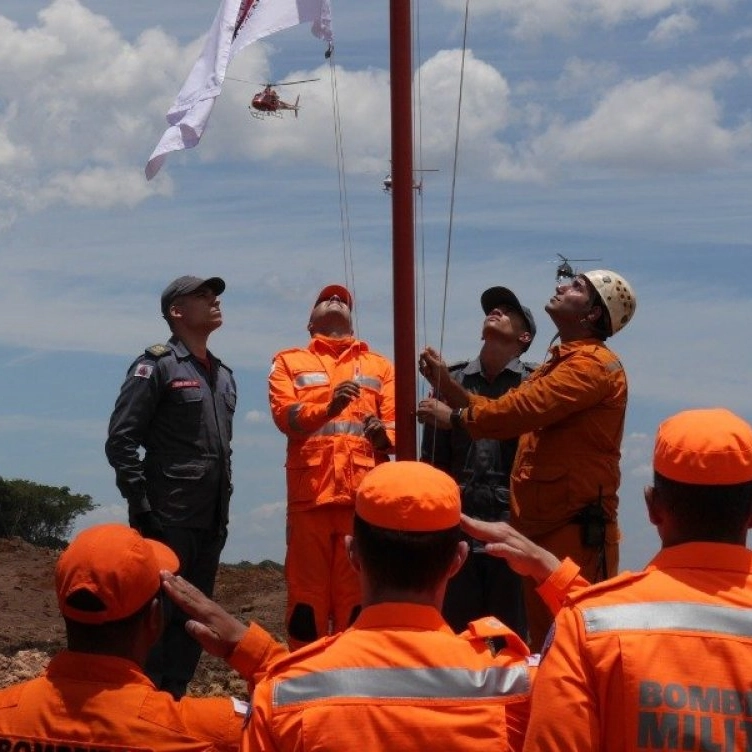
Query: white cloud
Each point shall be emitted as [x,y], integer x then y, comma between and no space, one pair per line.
[671,28]
[661,123]
[256,417]
[589,76]
[535,18]
[77,103]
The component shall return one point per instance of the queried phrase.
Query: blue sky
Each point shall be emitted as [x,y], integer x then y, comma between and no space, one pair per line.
[617,129]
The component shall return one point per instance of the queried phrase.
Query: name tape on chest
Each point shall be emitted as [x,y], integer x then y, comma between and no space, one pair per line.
[185,384]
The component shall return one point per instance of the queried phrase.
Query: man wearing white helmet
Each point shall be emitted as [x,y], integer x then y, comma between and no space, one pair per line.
[570,418]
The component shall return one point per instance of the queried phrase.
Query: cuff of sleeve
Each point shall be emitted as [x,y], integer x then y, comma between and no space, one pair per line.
[307,418]
[138,506]
[255,652]
[565,580]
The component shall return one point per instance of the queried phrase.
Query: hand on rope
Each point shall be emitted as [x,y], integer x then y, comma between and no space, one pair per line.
[435,371]
[375,431]
[435,413]
[344,393]
[433,368]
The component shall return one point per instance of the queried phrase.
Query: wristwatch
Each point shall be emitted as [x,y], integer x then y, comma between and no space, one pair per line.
[455,418]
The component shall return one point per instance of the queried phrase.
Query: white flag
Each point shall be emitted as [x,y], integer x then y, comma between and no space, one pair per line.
[237,24]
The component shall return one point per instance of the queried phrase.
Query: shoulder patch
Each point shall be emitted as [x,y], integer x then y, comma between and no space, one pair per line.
[143,370]
[157,350]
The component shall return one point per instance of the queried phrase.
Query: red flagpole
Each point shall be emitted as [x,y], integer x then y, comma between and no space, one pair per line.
[403,252]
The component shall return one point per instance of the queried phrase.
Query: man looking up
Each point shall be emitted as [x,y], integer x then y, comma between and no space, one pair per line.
[399,678]
[485,585]
[334,400]
[570,418]
[177,405]
[660,659]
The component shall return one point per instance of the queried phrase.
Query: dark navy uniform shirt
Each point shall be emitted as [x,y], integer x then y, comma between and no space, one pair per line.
[480,467]
[179,416]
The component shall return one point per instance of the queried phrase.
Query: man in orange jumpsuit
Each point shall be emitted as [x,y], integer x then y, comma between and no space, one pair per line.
[661,659]
[570,418]
[95,695]
[399,678]
[334,400]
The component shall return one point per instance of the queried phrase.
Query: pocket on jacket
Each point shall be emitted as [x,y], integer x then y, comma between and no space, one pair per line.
[544,493]
[304,469]
[231,400]
[185,409]
[360,464]
[185,470]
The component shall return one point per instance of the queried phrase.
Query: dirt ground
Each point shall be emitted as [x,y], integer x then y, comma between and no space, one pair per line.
[32,630]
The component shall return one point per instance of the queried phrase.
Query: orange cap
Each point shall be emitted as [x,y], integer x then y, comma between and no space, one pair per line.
[704,447]
[331,290]
[116,566]
[408,496]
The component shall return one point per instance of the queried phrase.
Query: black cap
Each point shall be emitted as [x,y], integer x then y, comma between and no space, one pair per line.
[496,296]
[185,286]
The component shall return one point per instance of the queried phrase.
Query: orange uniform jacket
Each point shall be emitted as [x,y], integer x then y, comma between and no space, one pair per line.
[398,679]
[653,660]
[327,458]
[570,415]
[96,702]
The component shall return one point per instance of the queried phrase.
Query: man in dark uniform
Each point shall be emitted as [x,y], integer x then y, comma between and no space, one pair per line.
[177,405]
[485,585]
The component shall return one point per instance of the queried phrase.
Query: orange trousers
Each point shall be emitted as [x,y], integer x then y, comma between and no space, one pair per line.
[323,593]
[567,541]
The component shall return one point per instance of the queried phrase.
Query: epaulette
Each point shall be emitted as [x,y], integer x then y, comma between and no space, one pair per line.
[496,635]
[460,364]
[291,350]
[305,651]
[624,579]
[157,351]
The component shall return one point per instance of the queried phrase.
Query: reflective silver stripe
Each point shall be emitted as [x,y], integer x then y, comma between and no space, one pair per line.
[340,426]
[370,382]
[389,424]
[402,684]
[311,379]
[689,617]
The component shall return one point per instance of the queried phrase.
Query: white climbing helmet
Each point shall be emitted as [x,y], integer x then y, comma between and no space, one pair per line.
[616,294]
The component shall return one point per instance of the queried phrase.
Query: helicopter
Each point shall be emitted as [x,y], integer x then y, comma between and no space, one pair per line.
[268,103]
[417,184]
[565,271]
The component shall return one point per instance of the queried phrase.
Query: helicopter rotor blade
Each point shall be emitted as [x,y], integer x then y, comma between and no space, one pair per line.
[282,83]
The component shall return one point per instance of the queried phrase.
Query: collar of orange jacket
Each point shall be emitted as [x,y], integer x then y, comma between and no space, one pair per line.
[332,345]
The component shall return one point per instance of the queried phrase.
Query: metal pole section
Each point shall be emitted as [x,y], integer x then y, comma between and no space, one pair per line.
[403,266]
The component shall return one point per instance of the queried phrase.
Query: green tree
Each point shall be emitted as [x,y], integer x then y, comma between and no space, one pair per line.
[42,515]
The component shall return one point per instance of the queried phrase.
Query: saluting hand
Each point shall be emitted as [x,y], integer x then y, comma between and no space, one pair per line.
[210,625]
[502,540]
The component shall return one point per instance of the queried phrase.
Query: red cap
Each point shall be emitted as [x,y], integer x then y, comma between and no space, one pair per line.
[116,566]
[410,496]
[704,447]
[331,290]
